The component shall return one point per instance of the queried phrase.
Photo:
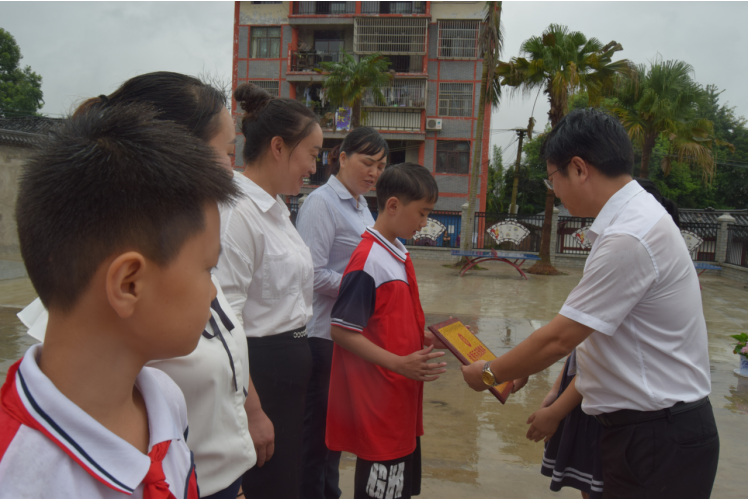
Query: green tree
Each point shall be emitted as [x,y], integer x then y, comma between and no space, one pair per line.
[20,88]
[349,81]
[560,62]
[496,180]
[491,40]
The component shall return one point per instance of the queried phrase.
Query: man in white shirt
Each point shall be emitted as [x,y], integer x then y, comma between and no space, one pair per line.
[635,317]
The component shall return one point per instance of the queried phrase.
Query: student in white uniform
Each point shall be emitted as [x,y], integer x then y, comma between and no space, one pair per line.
[222,405]
[331,221]
[635,320]
[266,273]
[123,263]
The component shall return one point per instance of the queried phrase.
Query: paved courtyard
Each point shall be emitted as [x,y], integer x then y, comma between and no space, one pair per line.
[473,445]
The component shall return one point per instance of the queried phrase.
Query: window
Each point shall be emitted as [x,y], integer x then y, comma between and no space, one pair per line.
[328,45]
[456,99]
[388,35]
[269,86]
[266,43]
[453,156]
[458,39]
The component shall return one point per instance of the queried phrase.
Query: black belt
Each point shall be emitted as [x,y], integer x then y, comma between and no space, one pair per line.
[628,416]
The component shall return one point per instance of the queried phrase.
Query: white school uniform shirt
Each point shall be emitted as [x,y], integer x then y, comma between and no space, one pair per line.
[60,451]
[214,380]
[265,269]
[331,223]
[640,293]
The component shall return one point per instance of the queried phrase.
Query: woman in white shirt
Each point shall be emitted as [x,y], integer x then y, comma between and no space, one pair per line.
[331,222]
[221,400]
[265,270]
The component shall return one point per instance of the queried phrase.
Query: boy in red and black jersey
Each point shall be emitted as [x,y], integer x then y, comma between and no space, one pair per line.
[379,362]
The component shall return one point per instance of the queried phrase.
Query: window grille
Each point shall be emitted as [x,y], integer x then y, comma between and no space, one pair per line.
[266,43]
[400,93]
[324,8]
[390,119]
[388,35]
[456,99]
[269,86]
[393,8]
[458,39]
[453,156]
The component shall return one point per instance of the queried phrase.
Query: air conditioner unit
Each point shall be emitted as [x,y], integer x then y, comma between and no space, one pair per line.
[434,124]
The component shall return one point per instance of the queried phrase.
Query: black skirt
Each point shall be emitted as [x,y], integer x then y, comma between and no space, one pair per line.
[572,457]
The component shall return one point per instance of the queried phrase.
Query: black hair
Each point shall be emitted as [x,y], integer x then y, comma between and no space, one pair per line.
[669,205]
[106,180]
[267,117]
[176,97]
[362,140]
[407,182]
[594,136]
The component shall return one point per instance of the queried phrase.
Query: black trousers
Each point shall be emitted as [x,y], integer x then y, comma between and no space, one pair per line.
[674,457]
[320,476]
[280,367]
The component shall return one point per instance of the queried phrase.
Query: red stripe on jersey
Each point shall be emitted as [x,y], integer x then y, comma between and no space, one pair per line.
[8,424]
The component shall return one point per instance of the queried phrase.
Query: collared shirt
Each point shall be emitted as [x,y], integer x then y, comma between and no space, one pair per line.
[640,294]
[214,380]
[265,269]
[50,447]
[331,224]
[375,413]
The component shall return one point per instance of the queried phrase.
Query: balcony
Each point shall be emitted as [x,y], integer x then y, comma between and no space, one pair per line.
[403,8]
[392,119]
[390,36]
[401,93]
[308,62]
[324,8]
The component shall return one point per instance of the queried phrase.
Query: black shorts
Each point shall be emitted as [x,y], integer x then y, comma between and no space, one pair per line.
[395,479]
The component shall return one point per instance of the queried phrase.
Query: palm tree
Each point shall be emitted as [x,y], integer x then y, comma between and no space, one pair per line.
[662,102]
[559,62]
[349,81]
[491,40]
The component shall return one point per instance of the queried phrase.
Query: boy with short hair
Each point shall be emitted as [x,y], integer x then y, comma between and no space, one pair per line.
[379,361]
[119,229]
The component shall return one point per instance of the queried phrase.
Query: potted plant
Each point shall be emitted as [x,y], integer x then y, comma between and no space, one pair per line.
[741,350]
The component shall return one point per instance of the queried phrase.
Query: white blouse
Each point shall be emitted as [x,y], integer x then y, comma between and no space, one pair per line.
[265,269]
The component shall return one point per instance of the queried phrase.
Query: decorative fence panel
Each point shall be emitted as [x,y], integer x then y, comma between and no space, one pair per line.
[483,240]
[705,252]
[736,252]
[567,242]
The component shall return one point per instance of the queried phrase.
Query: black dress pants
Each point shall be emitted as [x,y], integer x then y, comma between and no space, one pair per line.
[671,457]
[280,367]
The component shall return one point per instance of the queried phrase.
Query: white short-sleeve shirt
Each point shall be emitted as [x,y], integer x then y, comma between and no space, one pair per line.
[641,295]
[50,447]
[265,269]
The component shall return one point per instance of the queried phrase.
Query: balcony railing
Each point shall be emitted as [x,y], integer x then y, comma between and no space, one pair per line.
[393,7]
[395,120]
[324,8]
[302,62]
[400,93]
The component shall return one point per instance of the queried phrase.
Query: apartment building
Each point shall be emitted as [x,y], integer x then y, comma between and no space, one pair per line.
[430,112]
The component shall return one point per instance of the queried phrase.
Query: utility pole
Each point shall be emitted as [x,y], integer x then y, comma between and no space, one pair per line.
[513,203]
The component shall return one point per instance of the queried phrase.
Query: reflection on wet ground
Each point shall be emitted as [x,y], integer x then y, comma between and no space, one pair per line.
[474,445]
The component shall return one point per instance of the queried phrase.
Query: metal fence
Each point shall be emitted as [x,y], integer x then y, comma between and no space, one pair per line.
[736,252]
[386,35]
[399,93]
[482,222]
[567,243]
[393,119]
[324,8]
[705,252]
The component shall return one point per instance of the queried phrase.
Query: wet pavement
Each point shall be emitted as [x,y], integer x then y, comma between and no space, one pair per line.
[474,445]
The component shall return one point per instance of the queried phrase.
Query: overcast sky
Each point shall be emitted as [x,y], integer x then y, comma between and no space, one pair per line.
[86,49]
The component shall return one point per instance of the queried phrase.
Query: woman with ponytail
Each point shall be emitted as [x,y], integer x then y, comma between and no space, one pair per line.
[331,222]
[266,273]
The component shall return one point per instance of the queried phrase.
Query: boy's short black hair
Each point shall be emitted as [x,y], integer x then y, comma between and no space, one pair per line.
[596,137]
[112,179]
[407,182]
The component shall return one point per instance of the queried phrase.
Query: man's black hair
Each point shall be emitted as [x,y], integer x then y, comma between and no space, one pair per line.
[112,179]
[596,137]
[407,182]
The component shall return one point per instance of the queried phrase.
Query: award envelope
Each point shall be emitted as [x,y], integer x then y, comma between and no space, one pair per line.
[468,349]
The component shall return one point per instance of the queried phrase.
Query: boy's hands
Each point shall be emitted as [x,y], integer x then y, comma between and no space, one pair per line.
[431,340]
[544,423]
[417,367]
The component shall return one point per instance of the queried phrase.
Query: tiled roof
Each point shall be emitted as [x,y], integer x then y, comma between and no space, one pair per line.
[25,131]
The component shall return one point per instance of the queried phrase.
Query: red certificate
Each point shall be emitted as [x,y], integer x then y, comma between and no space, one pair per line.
[468,349]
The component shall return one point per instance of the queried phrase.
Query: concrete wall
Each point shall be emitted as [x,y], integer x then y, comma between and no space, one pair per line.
[11,162]
[734,272]
[427,253]
[452,183]
[456,129]
[263,13]
[412,153]
[457,10]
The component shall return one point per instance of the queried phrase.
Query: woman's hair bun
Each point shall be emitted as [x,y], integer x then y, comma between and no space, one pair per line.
[252,99]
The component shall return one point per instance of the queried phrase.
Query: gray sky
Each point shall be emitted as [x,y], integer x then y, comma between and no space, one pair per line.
[86,49]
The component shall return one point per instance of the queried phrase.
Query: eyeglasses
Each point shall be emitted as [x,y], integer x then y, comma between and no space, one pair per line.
[550,183]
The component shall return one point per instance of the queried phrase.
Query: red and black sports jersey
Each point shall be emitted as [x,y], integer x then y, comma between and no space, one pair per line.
[375,413]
